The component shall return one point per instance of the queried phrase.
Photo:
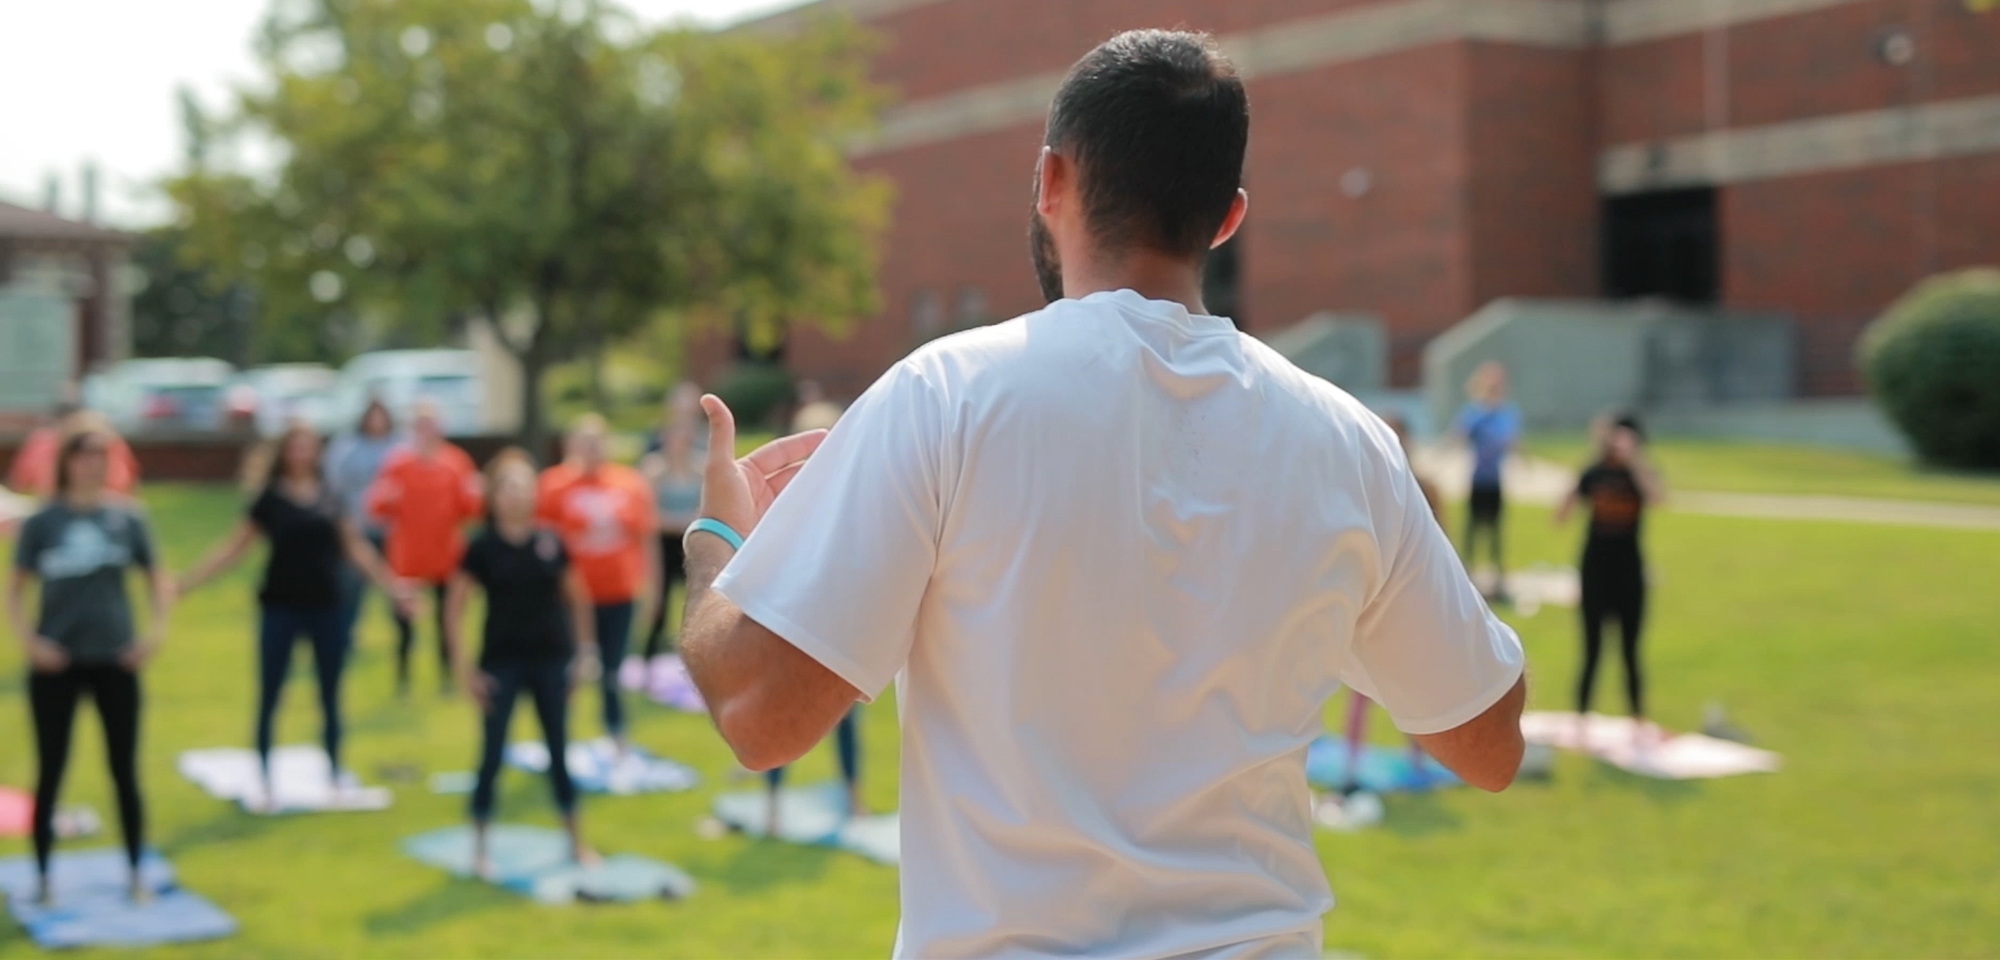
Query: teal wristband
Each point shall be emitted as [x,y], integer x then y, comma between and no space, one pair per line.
[718,528]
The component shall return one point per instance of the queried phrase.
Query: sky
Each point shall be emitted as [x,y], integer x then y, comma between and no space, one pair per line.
[94,81]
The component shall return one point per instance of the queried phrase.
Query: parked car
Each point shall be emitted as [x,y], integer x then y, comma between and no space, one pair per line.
[452,379]
[165,393]
[283,392]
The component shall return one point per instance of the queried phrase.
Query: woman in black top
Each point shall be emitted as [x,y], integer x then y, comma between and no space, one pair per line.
[535,603]
[1619,487]
[82,638]
[311,541]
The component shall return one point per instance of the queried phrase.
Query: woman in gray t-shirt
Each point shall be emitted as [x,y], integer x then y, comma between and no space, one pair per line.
[82,638]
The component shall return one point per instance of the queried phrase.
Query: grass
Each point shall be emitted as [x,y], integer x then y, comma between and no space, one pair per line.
[1725,467]
[1856,651]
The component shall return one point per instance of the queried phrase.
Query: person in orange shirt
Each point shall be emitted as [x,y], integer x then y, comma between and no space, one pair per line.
[33,472]
[426,492]
[610,527]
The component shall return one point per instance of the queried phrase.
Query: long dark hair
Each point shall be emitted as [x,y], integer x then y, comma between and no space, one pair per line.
[375,405]
[72,443]
[265,466]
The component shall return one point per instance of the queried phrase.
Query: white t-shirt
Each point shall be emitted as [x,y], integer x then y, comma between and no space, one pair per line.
[1117,557]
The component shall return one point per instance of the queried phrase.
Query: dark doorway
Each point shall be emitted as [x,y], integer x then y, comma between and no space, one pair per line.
[1663,244]
[1220,279]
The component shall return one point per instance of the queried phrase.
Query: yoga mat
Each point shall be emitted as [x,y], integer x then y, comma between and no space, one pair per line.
[93,904]
[813,816]
[302,779]
[596,767]
[1673,756]
[667,683]
[535,863]
[1382,769]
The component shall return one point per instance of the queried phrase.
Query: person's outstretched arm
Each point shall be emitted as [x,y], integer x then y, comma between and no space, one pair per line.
[223,558]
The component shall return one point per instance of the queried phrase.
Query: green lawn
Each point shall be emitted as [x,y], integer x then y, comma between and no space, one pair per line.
[1722,466]
[1875,679]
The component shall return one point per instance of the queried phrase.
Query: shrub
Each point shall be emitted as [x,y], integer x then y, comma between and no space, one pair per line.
[1933,364]
[755,392]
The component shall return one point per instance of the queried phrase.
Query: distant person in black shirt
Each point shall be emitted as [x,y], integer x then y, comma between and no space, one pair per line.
[312,538]
[535,603]
[1618,488]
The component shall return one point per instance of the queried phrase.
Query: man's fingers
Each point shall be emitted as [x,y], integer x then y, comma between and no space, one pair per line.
[785,451]
[721,435]
[778,481]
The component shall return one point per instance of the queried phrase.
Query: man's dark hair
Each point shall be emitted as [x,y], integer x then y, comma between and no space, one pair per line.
[1156,121]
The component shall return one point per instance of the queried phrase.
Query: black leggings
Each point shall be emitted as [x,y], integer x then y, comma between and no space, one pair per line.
[546,681]
[1484,510]
[52,698]
[1614,585]
[406,637]
[325,628]
[673,569]
[846,741]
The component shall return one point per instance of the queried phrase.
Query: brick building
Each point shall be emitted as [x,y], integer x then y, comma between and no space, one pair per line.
[1416,159]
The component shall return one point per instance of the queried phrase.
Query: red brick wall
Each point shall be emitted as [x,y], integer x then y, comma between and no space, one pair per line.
[1397,251]
[1532,145]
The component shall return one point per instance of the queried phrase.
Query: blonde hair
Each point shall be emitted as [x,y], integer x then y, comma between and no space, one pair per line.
[504,462]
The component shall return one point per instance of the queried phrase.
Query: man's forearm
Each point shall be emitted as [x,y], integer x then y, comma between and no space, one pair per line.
[706,556]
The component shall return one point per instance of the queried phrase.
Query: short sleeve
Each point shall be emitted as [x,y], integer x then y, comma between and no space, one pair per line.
[260,512]
[142,540]
[473,561]
[839,565]
[28,546]
[1426,647]
[1584,481]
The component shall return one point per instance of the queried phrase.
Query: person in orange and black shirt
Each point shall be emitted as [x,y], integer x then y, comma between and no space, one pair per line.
[425,494]
[611,528]
[1618,487]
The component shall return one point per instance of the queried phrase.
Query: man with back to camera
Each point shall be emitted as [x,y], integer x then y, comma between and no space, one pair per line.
[1117,557]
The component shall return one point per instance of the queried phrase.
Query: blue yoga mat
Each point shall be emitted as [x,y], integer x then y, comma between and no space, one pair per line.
[534,862]
[1382,770]
[93,905]
[813,816]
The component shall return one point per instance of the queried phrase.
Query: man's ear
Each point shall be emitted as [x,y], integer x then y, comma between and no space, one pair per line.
[1238,209]
[1052,175]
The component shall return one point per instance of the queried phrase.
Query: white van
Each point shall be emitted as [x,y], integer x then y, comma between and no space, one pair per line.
[452,379]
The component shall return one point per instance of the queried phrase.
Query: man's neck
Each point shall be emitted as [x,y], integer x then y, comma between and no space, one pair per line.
[1151,275]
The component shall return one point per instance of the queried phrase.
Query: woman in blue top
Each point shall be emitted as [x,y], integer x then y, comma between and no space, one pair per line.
[352,462]
[1491,426]
[672,466]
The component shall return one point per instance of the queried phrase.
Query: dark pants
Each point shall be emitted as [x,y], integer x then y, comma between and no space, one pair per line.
[1614,585]
[52,699]
[406,637]
[614,630]
[846,741]
[673,569]
[280,631]
[546,680]
[1484,511]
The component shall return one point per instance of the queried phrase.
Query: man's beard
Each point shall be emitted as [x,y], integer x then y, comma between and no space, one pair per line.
[1042,252]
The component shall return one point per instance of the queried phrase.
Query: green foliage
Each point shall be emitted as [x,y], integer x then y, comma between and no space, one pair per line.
[559,166]
[1933,364]
[181,311]
[756,392]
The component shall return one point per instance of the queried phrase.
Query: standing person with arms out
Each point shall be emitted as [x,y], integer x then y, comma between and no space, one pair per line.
[537,640]
[312,538]
[353,461]
[604,512]
[1491,425]
[426,492]
[672,465]
[1116,555]
[1619,487]
[81,639]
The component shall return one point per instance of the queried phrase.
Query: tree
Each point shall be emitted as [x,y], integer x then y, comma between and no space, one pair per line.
[556,168]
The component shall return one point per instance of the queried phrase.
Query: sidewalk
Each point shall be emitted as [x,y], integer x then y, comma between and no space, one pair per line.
[1544,483]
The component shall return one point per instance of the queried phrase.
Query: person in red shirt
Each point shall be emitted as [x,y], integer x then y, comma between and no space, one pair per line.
[427,491]
[610,526]
[33,471]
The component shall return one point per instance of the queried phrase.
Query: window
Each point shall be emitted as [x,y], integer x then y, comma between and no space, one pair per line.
[1663,244]
[971,310]
[926,314]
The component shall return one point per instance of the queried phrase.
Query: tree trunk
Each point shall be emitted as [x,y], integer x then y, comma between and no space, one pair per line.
[534,426]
